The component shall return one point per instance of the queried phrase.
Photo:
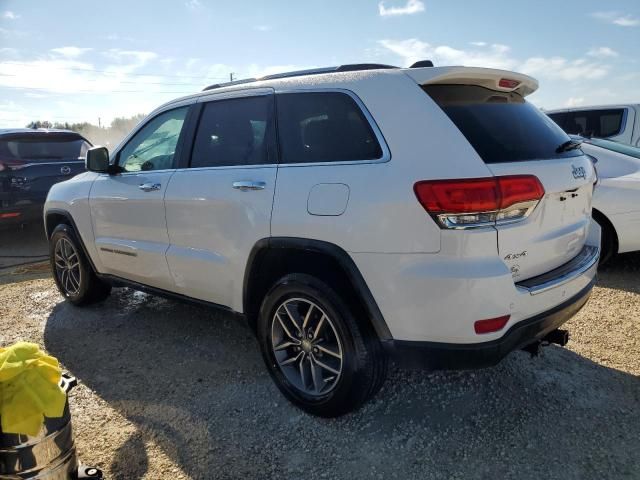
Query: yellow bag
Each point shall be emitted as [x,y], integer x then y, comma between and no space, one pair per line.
[29,388]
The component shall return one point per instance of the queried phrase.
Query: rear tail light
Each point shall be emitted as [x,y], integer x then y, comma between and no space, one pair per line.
[10,215]
[508,83]
[491,325]
[479,202]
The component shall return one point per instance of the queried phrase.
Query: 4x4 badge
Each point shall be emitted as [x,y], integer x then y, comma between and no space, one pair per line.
[578,172]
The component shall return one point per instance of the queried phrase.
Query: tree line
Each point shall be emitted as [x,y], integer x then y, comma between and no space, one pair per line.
[109,136]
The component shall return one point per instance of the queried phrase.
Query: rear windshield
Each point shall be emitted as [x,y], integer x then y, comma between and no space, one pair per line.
[38,149]
[501,127]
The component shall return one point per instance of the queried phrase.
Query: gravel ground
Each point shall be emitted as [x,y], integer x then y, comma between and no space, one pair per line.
[176,391]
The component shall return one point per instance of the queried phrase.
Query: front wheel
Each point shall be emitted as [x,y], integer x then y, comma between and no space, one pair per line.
[71,269]
[319,356]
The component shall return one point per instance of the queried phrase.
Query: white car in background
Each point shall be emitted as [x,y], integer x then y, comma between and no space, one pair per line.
[616,200]
[615,122]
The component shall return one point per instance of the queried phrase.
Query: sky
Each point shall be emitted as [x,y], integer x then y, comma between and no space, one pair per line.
[92,61]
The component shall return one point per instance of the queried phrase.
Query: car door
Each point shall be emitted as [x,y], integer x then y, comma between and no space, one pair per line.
[220,206]
[127,209]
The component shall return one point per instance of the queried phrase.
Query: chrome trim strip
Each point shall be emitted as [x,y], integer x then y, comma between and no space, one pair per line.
[581,263]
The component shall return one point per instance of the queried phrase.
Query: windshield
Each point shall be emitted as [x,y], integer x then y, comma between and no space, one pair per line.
[615,146]
[501,126]
[38,149]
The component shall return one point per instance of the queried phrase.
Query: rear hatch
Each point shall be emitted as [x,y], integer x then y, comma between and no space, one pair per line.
[31,162]
[513,137]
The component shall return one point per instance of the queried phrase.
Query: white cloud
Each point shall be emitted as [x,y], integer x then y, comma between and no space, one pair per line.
[574,102]
[499,56]
[412,50]
[412,7]
[563,69]
[263,28]
[9,15]
[602,52]
[193,4]
[70,52]
[617,18]
[479,44]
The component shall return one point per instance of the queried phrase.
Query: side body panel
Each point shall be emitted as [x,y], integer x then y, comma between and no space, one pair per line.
[130,226]
[382,214]
[213,227]
[617,195]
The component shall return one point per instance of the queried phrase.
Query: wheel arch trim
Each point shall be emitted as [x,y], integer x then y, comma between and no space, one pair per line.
[343,259]
[72,223]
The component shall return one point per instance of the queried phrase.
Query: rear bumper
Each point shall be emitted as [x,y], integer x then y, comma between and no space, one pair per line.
[452,356]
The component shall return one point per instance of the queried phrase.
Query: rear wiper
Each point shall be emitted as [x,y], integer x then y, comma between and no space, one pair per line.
[568,145]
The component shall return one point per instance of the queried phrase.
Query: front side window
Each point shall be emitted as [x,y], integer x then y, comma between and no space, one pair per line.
[234,132]
[154,146]
[324,127]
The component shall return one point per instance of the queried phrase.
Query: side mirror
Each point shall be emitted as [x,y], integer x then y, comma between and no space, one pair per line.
[97,160]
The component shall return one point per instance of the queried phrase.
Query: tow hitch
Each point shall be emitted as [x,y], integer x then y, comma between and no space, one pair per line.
[557,336]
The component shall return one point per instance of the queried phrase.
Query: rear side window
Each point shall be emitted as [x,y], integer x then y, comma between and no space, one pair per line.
[43,148]
[324,127]
[595,123]
[234,132]
[501,127]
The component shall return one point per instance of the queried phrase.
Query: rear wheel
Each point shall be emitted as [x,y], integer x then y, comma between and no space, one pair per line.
[71,269]
[319,356]
[609,239]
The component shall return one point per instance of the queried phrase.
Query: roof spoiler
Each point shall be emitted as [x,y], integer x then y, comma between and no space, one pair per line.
[493,79]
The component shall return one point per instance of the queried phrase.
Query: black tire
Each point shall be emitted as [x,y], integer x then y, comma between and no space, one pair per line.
[609,239]
[90,288]
[363,362]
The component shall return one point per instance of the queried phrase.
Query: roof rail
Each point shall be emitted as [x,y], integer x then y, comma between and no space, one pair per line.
[352,67]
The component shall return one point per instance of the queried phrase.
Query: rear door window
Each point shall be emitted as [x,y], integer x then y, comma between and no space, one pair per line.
[324,127]
[595,123]
[235,132]
[501,127]
[43,148]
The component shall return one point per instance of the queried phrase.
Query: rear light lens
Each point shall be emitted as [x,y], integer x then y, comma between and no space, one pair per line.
[508,83]
[491,325]
[479,202]
[10,215]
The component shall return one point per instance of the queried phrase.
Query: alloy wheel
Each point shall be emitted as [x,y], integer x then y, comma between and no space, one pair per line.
[306,346]
[67,266]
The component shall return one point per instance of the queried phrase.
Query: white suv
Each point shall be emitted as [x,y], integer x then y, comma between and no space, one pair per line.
[351,215]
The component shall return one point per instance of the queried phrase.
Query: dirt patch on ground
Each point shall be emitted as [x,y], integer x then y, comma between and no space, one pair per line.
[176,391]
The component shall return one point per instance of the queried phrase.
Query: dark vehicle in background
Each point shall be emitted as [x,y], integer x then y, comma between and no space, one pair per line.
[31,161]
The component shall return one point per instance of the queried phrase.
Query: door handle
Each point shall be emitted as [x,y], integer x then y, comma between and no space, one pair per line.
[245,186]
[149,187]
